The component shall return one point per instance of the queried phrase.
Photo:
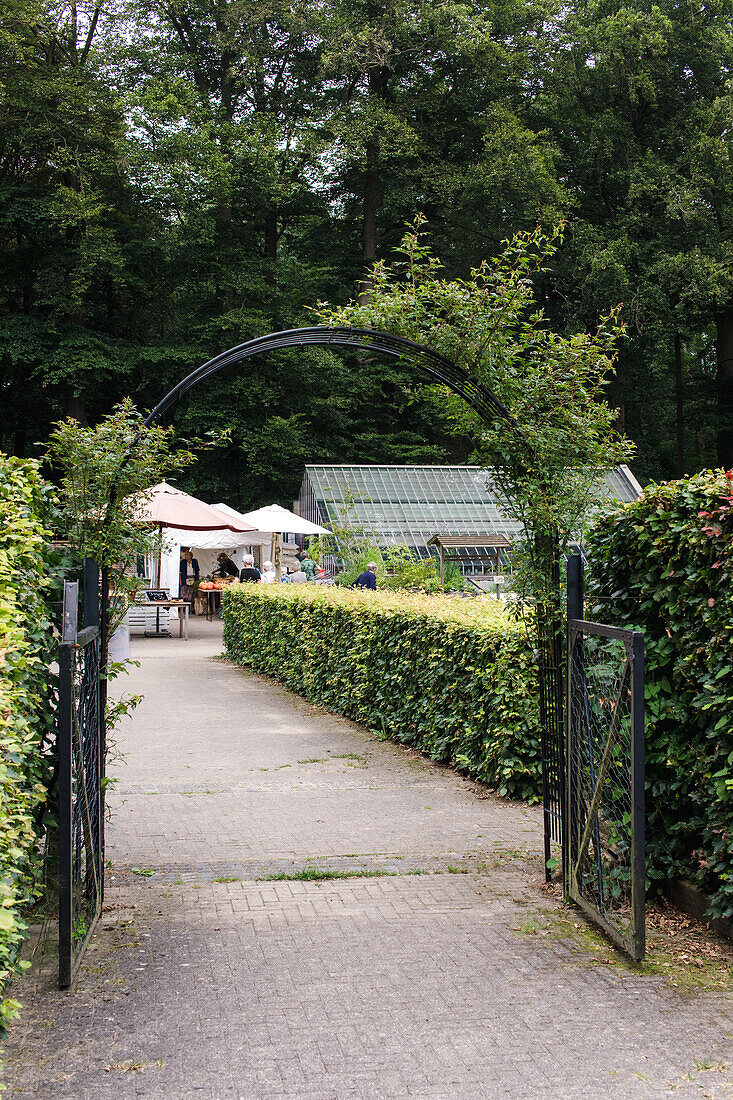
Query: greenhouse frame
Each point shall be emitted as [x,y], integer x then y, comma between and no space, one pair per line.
[409,505]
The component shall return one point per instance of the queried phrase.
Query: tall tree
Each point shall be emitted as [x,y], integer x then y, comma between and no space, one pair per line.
[427,113]
[233,109]
[638,98]
[69,226]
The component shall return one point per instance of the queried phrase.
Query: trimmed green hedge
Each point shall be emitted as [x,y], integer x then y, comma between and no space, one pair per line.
[667,561]
[454,678]
[26,635]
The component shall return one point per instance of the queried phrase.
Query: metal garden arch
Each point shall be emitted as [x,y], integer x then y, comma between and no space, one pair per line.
[436,368]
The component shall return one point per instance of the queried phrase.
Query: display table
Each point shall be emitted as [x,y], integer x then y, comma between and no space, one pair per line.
[182,606]
[213,602]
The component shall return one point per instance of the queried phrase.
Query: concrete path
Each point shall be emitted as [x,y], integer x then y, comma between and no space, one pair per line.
[438,968]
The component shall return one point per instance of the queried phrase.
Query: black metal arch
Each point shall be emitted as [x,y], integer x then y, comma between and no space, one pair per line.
[431,363]
[436,368]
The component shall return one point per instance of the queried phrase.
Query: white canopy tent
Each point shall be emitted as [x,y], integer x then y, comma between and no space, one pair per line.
[256,538]
[206,545]
[184,520]
[264,542]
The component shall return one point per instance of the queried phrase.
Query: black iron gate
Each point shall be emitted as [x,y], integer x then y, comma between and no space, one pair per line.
[604,865]
[81,763]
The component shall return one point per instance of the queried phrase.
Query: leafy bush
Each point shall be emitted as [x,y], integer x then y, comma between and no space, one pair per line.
[398,568]
[455,679]
[358,565]
[26,641]
[667,559]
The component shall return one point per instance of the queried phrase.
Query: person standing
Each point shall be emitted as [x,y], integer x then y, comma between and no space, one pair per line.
[367,579]
[189,576]
[268,573]
[308,566]
[249,572]
[226,567]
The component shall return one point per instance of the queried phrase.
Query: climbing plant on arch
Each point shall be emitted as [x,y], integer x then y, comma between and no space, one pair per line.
[551,387]
[555,441]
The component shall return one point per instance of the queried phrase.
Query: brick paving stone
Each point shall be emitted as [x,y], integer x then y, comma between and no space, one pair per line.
[206,980]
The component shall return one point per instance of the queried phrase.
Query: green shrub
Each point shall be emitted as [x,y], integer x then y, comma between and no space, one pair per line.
[667,561]
[454,678]
[26,637]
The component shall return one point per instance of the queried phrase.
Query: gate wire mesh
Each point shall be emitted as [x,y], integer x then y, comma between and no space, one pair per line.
[80,802]
[605,753]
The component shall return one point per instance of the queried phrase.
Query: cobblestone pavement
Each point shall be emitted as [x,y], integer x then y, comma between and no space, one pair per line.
[424,973]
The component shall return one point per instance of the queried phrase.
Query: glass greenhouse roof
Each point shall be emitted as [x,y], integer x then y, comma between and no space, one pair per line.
[410,504]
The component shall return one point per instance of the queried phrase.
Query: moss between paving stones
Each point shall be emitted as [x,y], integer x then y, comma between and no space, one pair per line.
[679,949]
[453,678]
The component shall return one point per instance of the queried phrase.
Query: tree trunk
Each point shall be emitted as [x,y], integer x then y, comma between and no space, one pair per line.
[680,405]
[19,442]
[224,202]
[724,386]
[617,392]
[378,85]
[271,243]
[76,409]
[372,198]
[271,248]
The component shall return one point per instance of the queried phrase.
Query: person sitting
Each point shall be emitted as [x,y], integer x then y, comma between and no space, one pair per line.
[367,579]
[249,572]
[226,567]
[293,575]
[298,575]
[268,573]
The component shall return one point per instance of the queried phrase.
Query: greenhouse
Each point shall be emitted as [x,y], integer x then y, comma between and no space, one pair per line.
[409,505]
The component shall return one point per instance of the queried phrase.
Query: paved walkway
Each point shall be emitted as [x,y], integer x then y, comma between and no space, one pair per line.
[443,971]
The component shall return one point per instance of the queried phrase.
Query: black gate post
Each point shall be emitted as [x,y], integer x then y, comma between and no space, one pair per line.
[65,750]
[91,592]
[576,588]
[552,682]
[92,618]
[575,610]
[638,800]
[103,661]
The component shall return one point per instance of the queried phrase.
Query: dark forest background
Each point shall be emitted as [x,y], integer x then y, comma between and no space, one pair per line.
[178,177]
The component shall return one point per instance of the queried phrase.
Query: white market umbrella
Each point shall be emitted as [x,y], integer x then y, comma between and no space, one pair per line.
[165,506]
[278,520]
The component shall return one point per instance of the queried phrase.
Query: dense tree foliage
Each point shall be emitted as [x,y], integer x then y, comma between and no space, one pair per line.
[639,100]
[178,177]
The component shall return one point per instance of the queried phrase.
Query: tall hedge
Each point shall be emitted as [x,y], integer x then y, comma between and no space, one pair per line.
[667,562]
[453,678]
[26,638]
